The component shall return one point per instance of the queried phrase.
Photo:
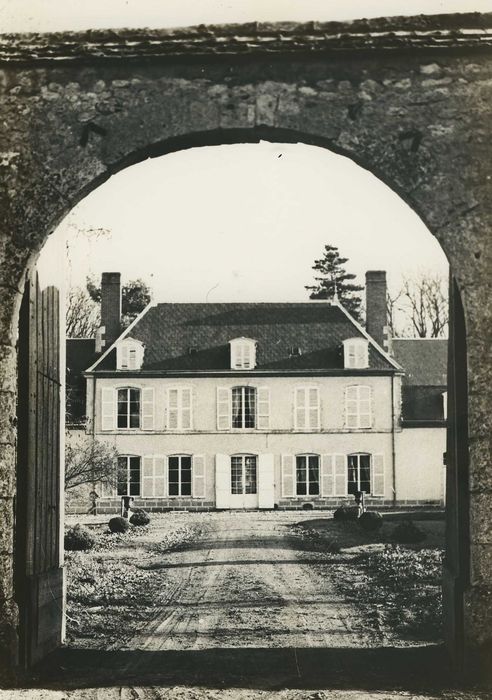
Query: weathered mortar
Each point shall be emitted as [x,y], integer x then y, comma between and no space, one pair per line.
[415,109]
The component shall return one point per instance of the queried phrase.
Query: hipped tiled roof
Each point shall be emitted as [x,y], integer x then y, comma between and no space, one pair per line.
[196,336]
[425,360]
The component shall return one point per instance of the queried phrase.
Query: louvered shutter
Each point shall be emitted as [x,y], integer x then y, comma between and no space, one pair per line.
[340,475]
[108,408]
[223,408]
[365,407]
[266,481]
[327,475]
[148,408]
[288,476]
[186,408]
[147,477]
[377,474]
[351,407]
[313,408]
[123,356]
[160,475]
[198,476]
[172,409]
[300,408]
[222,481]
[263,422]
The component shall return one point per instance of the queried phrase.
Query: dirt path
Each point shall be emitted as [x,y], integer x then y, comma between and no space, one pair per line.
[247,583]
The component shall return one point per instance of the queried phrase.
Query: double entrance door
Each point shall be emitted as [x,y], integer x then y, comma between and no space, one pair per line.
[244,481]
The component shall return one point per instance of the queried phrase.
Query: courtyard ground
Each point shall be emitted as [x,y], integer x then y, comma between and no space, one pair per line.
[235,605]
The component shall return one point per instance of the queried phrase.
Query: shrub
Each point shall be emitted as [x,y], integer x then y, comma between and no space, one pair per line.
[140,517]
[408,533]
[346,513]
[79,538]
[371,521]
[118,524]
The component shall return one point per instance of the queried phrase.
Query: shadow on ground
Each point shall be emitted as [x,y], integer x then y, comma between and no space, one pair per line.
[414,668]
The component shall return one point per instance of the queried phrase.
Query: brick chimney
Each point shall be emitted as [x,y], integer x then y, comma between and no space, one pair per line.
[110,308]
[376,309]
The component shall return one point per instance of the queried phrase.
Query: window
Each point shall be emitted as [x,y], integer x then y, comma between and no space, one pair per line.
[179,408]
[128,408]
[306,408]
[243,407]
[243,474]
[358,407]
[129,354]
[243,353]
[128,476]
[356,353]
[307,475]
[179,475]
[359,473]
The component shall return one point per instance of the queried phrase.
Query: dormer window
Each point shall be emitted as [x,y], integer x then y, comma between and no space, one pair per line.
[356,353]
[243,353]
[129,354]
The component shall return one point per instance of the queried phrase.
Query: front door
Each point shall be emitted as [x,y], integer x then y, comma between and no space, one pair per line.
[244,481]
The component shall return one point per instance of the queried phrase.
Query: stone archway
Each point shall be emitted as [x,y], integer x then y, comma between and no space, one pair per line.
[407,98]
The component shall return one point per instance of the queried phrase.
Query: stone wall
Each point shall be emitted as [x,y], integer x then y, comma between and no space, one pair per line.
[413,106]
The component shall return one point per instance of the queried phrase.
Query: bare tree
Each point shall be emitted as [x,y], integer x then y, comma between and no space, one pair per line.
[89,462]
[82,314]
[420,308]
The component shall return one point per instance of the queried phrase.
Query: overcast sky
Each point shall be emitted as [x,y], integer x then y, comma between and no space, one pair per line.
[238,222]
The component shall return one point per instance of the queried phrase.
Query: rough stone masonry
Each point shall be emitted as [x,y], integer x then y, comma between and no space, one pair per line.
[409,99]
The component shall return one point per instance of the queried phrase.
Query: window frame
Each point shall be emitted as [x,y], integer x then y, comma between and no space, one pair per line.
[128,427]
[242,353]
[359,455]
[129,457]
[350,349]
[179,456]
[306,456]
[243,456]
[243,388]
[307,388]
[358,413]
[126,347]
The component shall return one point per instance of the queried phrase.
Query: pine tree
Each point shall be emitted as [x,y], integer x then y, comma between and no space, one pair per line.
[332,278]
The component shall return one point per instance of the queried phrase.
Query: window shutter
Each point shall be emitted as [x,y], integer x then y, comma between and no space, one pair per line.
[340,475]
[160,475]
[147,477]
[186,409]
[266,481]
[327,475]
[313,408]
[223,408]
[172,409]
[288,476]
[148,408]
[299,408]
[377,473]
[263,408]
[352,407]
[123,356]
[222,480]
[365,407]
[198,475]
[108,408]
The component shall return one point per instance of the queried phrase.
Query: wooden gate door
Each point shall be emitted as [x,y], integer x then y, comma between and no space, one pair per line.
[39,584]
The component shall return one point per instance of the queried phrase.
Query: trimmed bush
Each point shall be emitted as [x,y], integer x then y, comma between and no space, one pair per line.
[79,539]
[371,520]
[346,513]
[140,517]
[408,533]
[118,524]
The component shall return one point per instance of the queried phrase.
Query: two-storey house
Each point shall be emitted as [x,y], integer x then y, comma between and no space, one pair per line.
[244,405]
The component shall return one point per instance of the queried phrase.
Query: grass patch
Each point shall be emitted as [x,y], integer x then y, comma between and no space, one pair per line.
[111,590]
